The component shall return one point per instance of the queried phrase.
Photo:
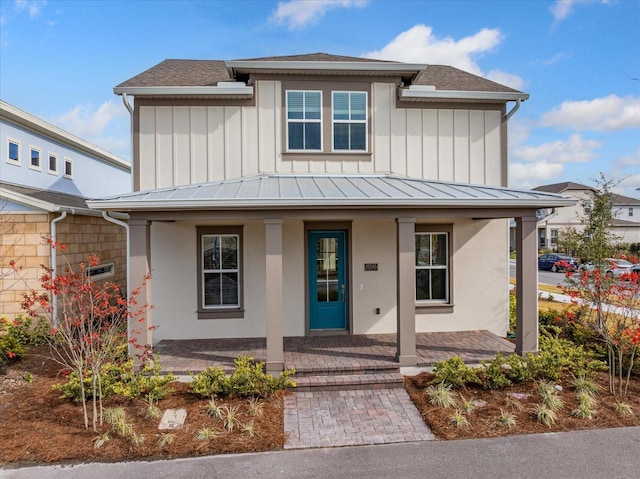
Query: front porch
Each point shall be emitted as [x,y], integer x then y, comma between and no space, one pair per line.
[331,354]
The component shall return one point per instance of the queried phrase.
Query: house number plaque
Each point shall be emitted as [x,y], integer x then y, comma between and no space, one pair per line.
[371,266]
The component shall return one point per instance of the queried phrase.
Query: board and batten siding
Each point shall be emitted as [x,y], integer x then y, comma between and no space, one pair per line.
[189,144]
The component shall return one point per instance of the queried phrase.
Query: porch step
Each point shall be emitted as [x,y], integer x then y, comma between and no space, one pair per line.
[344,382]
[344,369]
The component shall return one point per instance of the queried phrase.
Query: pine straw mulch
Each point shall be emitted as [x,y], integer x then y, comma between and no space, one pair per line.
[36,426]
[483,421]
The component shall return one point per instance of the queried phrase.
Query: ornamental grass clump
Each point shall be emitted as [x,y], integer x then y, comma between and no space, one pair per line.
[459,420]
[544,415]
[441,395]
[506,419]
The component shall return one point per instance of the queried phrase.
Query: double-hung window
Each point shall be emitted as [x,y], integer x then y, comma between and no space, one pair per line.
[53,164]
[349,120]
[34,154]
[432,267]
[219,270]
[304,120]
[13,152]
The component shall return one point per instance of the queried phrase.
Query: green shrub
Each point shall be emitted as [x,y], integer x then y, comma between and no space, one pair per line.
[455,373]
[21,332]
[493,374]
[247,380]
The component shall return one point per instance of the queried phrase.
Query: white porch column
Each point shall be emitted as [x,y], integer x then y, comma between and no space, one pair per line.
[406,329]
[274,291]
[140,264]
[526,285]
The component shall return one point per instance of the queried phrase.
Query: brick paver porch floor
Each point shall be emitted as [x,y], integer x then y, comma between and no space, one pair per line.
[330,353]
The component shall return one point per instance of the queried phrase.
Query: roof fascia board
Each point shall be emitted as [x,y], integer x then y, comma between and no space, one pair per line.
[218,91]
[418,94]
[15,115]
[393,67]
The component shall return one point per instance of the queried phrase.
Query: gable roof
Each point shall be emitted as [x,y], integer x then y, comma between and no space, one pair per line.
[561,187]
[192,76]
[621,200]
[325,191]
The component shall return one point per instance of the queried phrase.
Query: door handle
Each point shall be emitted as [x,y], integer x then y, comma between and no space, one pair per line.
[343,292]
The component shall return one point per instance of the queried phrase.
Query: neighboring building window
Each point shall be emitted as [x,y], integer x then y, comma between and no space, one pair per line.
[554,237]
[68,168]
[432,266]
[101,271]
[34,162]
[13,153]
[220,272]
[304,120]
[349,118]
[630,211]
[587,206]
[53,164]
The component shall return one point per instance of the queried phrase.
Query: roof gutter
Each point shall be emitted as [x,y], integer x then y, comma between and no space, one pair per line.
[377,67]
[222,89]
[426,92]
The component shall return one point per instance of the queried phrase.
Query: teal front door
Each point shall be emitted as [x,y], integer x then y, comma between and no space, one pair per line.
[327,280]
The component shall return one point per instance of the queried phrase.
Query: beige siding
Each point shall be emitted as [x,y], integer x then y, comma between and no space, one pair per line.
[193,144]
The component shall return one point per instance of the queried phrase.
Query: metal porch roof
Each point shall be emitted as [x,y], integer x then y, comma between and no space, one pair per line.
[279,191]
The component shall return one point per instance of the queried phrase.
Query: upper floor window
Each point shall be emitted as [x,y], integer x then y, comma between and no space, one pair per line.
[587,206]
[53,164]
[304,120]
[630,211]
[68,168]
[13,152]
[349,118]
[34,154]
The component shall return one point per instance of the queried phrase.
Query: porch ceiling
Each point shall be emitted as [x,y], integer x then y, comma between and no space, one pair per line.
[276,191]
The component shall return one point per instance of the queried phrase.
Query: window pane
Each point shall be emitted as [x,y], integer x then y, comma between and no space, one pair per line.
[312,136]
[294,105]
[358,106]
[229,252]
[322,293]
[341,136]
[439,249]
[340,106]
[35,158]
[230,289]
[423,284]
[53,163]
[210,252]
[439,284]
[358,136]
[312,105]
[423,250]
[296,136]
[13,151]
[212,289]
[67,168]
[332,287]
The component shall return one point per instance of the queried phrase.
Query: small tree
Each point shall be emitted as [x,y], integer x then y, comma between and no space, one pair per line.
[569,240]
[92,319]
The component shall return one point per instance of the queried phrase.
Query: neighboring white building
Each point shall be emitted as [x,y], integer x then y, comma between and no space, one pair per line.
[626,225]
[320,194]
[46,176]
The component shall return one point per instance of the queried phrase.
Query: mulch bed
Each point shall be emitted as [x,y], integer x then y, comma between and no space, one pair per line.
[483,421]
[36,426]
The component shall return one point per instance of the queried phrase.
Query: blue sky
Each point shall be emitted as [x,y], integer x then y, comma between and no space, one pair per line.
[579,60]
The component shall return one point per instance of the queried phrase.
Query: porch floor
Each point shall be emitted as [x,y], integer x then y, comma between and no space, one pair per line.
[331,354]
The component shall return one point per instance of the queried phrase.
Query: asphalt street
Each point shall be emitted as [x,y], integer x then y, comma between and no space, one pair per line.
[594,454]
[544,277]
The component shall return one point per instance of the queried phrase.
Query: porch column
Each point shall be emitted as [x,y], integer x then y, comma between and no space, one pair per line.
[406,328]
[526,285]
[140,267]
[274,290]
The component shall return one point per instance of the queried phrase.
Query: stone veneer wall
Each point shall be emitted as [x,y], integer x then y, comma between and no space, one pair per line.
[22,240]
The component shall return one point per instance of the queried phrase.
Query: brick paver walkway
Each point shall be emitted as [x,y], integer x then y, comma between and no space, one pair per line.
[349,418]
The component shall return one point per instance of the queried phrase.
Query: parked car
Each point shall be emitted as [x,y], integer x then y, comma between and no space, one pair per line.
[612,267]
[557,262]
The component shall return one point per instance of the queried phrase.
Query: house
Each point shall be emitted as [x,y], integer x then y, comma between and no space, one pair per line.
[321,194]
[626,223]
[46,175]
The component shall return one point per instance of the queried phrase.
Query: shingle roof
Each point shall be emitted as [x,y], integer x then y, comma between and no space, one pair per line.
[209,72]
[621,200]
[51,197]
[560,187]
[291,191]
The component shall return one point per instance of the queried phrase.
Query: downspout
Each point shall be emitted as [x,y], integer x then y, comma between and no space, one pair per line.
[513,110]
[54,265]
[105,215]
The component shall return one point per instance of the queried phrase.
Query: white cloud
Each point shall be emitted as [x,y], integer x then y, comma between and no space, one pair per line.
[530,175]
[574,149]
[420,45]
[87,122]
[610,113]
[32,6]
[300,13]
[561,9]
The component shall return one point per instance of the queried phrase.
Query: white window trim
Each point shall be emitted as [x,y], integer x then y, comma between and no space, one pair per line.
[221,271]
[49,156]
[107,274]
[64,168]
[365,122]
[303,120]
[446,267]
[9,160]
[31,150]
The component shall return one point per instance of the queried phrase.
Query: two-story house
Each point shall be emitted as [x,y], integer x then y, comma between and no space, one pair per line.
[46,175]
[321,194]
[626,223]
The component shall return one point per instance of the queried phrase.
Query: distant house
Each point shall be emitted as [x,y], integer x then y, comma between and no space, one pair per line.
[626,225]
[46,175]
[320,194]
